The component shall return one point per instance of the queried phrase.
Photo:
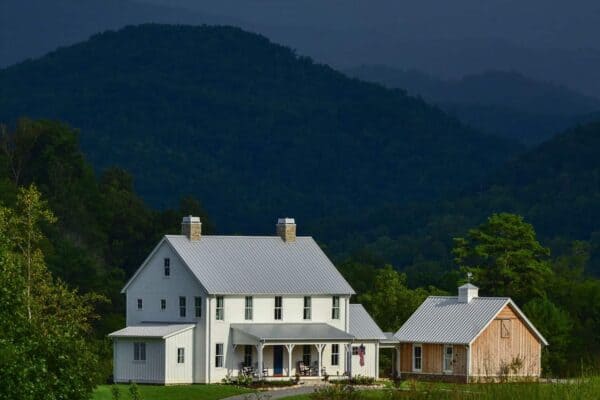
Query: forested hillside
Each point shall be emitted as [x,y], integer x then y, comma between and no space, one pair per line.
[497,102]
[248,126]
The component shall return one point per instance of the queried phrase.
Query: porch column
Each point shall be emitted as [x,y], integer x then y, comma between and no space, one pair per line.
[290,349]
[259,356]
[320,347]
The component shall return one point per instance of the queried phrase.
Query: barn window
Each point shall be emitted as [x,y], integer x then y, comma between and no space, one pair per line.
[505,328]
[448,356]
[139,351]
[417,357]
[180,355]
[219,355]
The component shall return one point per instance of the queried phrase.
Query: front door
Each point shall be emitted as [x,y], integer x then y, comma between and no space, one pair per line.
[277,360]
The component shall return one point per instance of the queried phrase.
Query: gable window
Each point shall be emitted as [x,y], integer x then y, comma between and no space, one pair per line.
[163,304]
[167,266]
[417,357]
[220,310]
[307,307]
[182,306]
[335,354]
[448,356]
[248,356]
[306,353]
[335,307]
[140,304]
[180,355]
[248,308]
[505,328]
[198,306]
[219,355]
[139,351]
[278,308]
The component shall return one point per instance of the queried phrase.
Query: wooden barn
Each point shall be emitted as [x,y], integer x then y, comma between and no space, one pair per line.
[467,338]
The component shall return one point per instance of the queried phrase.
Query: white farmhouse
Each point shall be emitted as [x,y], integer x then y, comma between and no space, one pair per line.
[203,307]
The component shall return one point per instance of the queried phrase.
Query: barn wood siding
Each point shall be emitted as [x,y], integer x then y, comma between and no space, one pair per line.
[490,351]
[433,356]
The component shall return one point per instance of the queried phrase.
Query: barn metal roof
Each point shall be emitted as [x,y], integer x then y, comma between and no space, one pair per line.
[442,319]
[362,326]
[260,265]
[162,331]
[293,332]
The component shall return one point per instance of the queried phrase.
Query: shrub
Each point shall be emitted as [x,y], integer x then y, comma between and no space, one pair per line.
[361,380]
[134,392]
[336,392]
[116,393]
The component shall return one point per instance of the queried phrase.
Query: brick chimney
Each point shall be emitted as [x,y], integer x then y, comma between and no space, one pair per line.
[467,292]
[286,229]
[191,227]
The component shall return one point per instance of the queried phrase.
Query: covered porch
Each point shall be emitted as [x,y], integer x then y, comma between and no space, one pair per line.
[276,351]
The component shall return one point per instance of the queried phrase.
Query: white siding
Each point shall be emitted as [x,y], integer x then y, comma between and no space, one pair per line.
[176,372]
[371,360]
[150,371]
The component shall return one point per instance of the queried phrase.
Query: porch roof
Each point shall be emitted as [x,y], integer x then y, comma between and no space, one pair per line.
[298,332]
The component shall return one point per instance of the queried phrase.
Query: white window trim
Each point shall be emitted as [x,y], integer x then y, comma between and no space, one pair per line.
[336,311]
[181,356]
[217,308]
[446,346]
[335,354]
[415,345]
[220,356]
[139,352]
[276,308]
[306,308]
[248,310]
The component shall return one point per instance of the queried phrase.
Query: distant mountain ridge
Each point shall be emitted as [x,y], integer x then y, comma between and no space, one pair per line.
[249,127]
[497,102]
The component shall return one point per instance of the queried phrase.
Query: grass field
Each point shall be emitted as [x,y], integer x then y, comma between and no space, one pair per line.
[584,389]
[184,392]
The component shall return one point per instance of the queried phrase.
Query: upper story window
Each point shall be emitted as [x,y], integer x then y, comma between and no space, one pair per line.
[139,351]
[335,354]
[140,304]
[198,306]
[417,357]
[335,307]
[182,306]
[248,308]
[163,304]
[307,314]
[167,267]
[278,308]
[220,310]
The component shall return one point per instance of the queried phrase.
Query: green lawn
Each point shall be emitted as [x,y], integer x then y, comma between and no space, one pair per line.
[183,392]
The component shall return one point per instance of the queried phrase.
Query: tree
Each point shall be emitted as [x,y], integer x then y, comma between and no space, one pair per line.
[43,324]
[505,258]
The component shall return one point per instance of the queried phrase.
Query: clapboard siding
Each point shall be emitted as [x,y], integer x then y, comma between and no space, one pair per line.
[490,351]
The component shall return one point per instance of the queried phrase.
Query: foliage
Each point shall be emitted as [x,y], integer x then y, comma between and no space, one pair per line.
[505,257]
[175,392]
[134,392]
[116,393]
[336,392]
[361,380]
[43,323]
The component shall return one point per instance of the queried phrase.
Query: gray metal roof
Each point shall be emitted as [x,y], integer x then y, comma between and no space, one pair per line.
[260,265]
[293,332]
[362,325]
[162,331]
[442,319]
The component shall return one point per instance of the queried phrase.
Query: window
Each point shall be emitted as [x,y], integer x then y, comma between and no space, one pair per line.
[139,351]
[448,356]
[306,353]
[247,356]
[220,310]
[180,355]
[140,304]
[248,309]
[278,302]
[335,354]
[307,307]
[163,304]
[417,357]
[198,306]
[356,350]
[219,355]
[505,328]
[182,306]
[167,266]
[335,307]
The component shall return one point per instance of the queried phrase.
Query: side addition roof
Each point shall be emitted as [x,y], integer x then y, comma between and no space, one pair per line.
[442,319]
[161,331]
[259,265]
[362,326]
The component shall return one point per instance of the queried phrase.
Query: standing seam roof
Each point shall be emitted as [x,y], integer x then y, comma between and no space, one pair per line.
[362,325]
